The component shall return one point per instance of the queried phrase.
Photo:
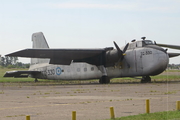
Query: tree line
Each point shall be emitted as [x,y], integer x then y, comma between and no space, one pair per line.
[12,62]
[174,66]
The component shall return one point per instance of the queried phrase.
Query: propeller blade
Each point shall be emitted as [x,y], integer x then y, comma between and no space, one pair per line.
[125,48]
[118,49]
[121,53]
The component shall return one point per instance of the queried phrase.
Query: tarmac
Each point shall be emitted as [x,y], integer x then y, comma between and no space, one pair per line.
[91,101]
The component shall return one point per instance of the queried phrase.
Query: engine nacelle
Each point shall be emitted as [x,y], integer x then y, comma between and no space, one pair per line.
[111,56]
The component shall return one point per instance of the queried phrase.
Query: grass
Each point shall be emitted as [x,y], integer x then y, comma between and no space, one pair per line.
[167,115]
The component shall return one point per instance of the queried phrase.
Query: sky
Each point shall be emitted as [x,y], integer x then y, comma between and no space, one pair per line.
[88,24]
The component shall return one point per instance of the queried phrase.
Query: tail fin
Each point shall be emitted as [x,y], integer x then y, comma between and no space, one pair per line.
[39,41]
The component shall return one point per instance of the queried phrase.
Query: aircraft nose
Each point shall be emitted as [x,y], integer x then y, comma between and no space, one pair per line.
[161,61]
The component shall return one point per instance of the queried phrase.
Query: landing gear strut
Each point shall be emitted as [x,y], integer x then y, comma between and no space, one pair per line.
[36,80]
[146,79]
[104,80]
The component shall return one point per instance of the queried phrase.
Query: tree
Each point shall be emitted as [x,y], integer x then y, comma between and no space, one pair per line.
[7,61]
[2,61]
[15,60]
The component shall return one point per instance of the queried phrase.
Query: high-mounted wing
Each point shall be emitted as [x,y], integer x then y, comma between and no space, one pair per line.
[169,46]
[19,74]
[63,56]
[173,54]
[105,56]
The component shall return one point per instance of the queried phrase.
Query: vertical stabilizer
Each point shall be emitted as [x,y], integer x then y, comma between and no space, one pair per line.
[39,42]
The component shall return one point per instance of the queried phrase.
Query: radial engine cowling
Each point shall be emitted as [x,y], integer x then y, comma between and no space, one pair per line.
[115,55]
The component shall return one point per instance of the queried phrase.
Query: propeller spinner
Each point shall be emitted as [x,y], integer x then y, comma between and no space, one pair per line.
[121,53]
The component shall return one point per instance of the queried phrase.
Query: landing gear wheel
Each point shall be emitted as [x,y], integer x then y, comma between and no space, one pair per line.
[104,80]
[146,79]
[36,80]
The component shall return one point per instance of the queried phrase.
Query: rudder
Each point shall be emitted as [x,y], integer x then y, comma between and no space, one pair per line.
[39,40]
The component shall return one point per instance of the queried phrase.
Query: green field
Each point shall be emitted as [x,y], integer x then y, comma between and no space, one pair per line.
[169,115]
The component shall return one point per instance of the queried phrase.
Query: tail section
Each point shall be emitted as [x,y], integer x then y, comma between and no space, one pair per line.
[39,41]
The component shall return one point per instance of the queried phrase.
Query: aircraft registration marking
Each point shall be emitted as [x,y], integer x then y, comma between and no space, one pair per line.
[51,72]
[56,71]
[146,53]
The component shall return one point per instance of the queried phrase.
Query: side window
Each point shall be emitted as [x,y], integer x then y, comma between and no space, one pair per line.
[92,68]
[85,69]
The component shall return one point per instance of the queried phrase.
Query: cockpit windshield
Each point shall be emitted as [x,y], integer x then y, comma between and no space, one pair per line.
[148,42]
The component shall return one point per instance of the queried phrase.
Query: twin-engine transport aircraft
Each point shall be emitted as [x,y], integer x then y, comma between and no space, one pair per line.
[138,58]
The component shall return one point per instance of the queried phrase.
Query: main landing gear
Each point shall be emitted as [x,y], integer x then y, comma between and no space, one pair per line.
[36,80]
[104,80]
[146,79]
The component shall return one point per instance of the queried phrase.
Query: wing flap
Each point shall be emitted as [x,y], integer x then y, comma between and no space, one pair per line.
[20,74]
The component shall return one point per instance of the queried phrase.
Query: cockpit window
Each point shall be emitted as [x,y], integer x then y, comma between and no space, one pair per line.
[148,42]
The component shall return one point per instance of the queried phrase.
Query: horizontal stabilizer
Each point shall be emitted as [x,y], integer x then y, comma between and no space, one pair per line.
[19,74]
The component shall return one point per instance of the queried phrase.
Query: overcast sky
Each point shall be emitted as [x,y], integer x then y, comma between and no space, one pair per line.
[88,24]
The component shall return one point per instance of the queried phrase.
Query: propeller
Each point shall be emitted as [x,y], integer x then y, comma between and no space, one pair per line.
[121,53]
[113,56]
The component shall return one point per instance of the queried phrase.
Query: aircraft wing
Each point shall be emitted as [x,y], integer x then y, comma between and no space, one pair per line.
[64,56]
[173,54]
[169,46]
[19,74]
